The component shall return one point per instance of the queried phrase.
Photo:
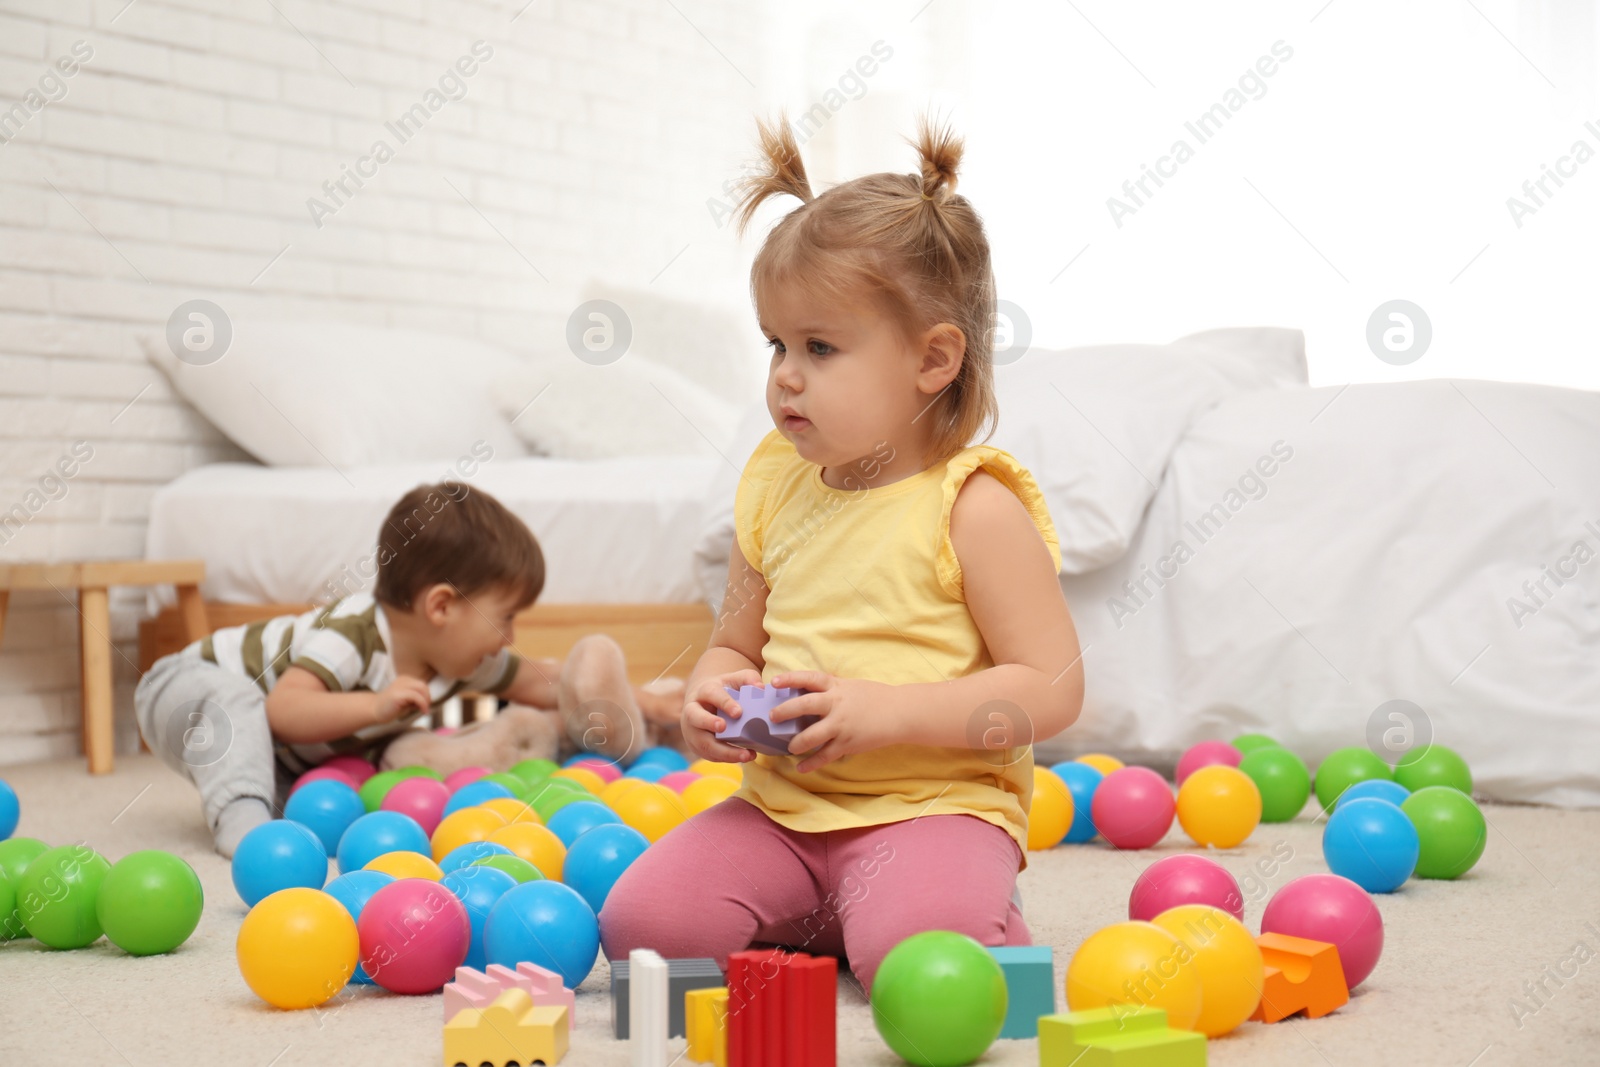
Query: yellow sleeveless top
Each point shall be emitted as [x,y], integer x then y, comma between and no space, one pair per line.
[864,583]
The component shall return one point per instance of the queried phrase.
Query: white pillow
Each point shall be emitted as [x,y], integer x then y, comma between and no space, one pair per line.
[304,393]
[1098,466]
[633,407]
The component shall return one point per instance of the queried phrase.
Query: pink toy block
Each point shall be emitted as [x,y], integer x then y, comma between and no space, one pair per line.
[754,727]
[478,989]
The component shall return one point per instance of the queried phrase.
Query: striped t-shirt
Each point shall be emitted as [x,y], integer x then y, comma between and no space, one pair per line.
[346,645]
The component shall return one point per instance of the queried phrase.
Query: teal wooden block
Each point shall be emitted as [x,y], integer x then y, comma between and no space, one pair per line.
[1030,987]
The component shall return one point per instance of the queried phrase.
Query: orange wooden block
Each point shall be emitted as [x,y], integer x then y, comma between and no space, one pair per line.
[1301,975]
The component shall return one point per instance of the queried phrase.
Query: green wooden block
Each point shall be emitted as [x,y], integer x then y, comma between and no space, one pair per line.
[1123,1035]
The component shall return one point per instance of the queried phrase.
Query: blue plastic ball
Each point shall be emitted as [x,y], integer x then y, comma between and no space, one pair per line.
[328,808]
[353,890]
[1380,788]
[1372,843]
[547,923]
[10,811]
[597,859]
[479,889]
[474,793]
[670,758]
[280,854]
[648,772]
[471,852]
[378,832]
[575,820]
[1082,780]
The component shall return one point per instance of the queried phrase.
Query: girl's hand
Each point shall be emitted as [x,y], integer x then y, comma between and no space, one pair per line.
[701,724]
[857,716]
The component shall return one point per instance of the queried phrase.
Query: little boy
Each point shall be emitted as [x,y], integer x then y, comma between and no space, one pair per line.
[243,712]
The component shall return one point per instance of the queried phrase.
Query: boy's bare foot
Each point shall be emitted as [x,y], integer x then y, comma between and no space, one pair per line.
[519,732]
[598,703]
[661,701]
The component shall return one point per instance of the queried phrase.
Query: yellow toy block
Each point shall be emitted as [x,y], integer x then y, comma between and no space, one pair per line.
[1122,1035]
[511,1030]
[705,1013]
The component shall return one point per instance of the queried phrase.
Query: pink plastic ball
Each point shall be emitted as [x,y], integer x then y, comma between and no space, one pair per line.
[465,776]
[317,774]
[414,934]
[1133,807]
[605,769]
[1326,907]
[421,798]
[354,766]
[1185,879]
[1205,754]
[678,781]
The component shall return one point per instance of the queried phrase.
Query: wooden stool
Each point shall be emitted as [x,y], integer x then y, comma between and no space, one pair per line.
[92,581]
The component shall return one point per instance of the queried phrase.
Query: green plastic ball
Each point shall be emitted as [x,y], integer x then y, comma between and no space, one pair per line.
[149,903]
[416,770]
[532,771]
[58,894]
[374,789]
[1344,768]
[939,999]
[1451,828]
[516,785]
[549,797]
[1433,765]
[515,866]
[15,855]
[1282,777]
[1248,743]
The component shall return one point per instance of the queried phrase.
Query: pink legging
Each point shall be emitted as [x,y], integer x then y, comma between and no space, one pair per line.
[731,877]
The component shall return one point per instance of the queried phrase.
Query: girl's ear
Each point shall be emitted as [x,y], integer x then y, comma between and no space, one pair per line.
[943,348]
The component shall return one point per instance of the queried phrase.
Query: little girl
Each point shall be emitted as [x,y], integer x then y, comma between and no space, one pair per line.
[903,577]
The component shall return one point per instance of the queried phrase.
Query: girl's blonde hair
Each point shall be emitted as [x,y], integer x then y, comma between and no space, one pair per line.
[906,240]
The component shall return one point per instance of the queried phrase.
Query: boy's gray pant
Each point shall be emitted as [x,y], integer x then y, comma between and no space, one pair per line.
[210,725]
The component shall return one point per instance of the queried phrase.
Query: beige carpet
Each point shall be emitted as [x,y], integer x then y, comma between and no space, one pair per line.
[1457,956]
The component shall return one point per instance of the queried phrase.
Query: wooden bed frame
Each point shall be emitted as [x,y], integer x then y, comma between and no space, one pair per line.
[658,639]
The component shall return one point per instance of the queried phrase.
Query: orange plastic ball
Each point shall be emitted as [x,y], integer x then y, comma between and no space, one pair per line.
[708,791]
[1135,963]
[652,809]
[1050,814]
[613,790]
[462,827]
[1227,961]
[406,865]
[1101,762]
[297,948]
[537,844]
[720,770]
[1219,806]
[584,777]
[512,810]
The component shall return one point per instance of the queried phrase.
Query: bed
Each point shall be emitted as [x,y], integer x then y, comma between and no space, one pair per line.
[1364,565]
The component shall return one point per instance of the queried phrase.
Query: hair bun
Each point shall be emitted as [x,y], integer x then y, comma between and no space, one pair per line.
[941,151]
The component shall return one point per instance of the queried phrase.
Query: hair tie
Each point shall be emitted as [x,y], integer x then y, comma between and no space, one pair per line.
[925,196]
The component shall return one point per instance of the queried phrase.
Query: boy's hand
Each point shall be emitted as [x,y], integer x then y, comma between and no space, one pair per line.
[857,716]
[701,724]
[402,695]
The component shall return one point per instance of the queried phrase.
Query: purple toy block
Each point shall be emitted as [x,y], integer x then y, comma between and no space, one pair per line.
[754,727]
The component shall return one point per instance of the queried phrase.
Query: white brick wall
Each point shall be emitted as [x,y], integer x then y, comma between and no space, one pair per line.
[192,139]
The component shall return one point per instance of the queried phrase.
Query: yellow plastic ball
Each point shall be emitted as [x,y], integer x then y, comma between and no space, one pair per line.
[406,865]
[297,948]
[462,827]
[583,776]
[1226,959]
[652,809]
[512,810]
[1101,762]
[720,770]
[613,790]
[1219,806]
[708,791]
[1135,963]
[1050,814]
[537,844]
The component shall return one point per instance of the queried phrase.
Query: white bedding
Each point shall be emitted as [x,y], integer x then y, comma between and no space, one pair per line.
[612,530]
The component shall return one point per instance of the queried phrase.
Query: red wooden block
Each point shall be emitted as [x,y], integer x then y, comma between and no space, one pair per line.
[781,1009]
